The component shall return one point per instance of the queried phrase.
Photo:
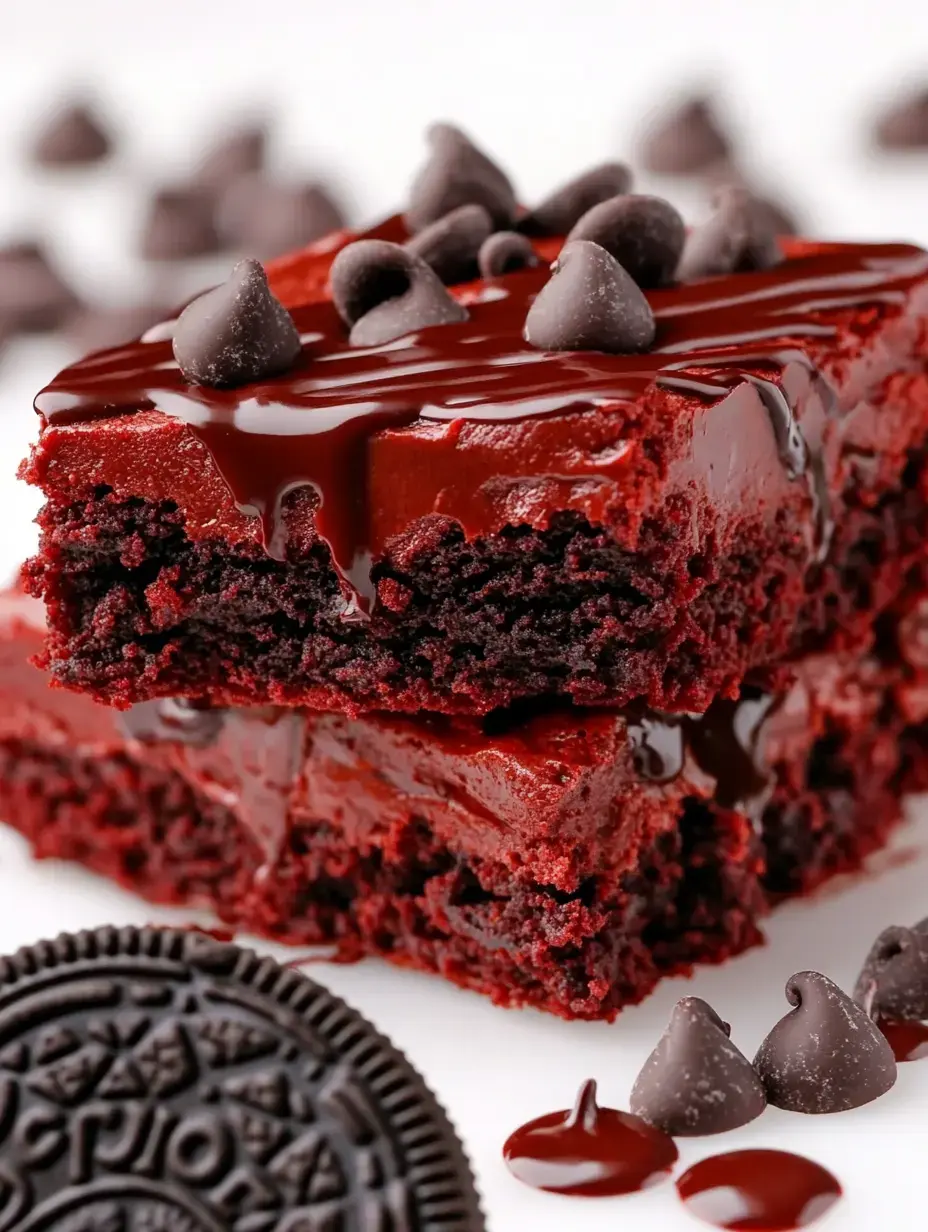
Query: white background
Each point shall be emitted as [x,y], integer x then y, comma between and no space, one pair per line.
[549,88]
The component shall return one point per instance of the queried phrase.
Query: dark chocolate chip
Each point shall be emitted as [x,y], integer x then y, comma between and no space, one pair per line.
[96,329]
[893,982]
[33,295]
[904,124]
[589,304]
[736,239]
[236,333]
[696,1081]
[686,140]
[238,153]
[211,1088]
[73,136]
[179,226]
[644,234]
[504,252]
[458,173]
[825,1055]
[450,246]
[567,204]
[383,292]
[774,215]
[268,219]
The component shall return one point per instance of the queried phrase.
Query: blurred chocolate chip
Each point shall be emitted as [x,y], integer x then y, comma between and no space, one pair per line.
[504,252]
[236,333]
[382,292]
[567,204]
[268,219]
[98,328]
[589,304]
[179,226]
[73,136]
[825,1055]
[771,213]
[736,239]
[241,152]
[686,140]
[904,123]
[893,982]
[458,173]
[644,234]
[696,1081]
[33,295]
[450,246]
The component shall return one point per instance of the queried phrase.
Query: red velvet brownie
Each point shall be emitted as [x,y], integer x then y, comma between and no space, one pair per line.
[565,860]
[455,520]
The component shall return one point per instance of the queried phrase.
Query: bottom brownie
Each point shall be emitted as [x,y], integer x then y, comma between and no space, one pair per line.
[565,860]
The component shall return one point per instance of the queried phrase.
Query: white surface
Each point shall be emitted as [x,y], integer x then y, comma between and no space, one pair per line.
[549,88]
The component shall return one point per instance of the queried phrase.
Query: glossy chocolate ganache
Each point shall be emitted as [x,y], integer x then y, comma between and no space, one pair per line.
[311,426]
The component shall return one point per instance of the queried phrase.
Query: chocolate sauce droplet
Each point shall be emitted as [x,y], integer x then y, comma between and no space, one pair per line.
[645,235]
[567,204]
[383,292]
[696,1081]
[73,136]
[826,1055]
[450,245]
[736,239]
[590,1151]
[685,141]
[458,173]
[908,1040]
[758,1191]
[236,333]
[894,978]
[590,304]
[504,253]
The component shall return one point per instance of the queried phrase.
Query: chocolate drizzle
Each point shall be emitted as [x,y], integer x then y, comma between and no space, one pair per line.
[313,425]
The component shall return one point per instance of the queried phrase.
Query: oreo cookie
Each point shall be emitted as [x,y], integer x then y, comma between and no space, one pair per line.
[156,1079]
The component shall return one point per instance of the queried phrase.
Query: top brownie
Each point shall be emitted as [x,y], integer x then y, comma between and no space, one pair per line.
[633,495]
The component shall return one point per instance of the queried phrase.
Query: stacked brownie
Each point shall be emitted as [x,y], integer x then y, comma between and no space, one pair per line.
[536,628]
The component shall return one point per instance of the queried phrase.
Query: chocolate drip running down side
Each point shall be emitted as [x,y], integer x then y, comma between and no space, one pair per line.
[312,426]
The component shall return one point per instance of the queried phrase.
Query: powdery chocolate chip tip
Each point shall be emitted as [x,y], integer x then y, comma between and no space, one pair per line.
[161,1079]
[505,252]
[382,291]
[893,982]
[696,1081]
[738,237]
[458,173]
[825,1055]
[686,140]
[567,204]
[452,244]
[590,304]
[73,136]
[236,333]
[645,235]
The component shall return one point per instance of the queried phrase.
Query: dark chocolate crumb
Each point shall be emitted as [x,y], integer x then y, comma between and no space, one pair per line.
[450,246]
[825,1055]
[238,153]
[179,226]
[73,136]
[382,292]
[268,219]
[589,304]
[737,238]
[458,173]
[504,252]
[567,204]
[687,140]
[903,125]
[236,333]
[644,234]
[696,1081]
[893,982]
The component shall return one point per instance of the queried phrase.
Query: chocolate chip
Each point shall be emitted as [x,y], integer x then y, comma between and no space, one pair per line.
[774,215]
[179,226]
[644,234]
[825,1055]
[269,219]
[33,295]
[504,252]
[736,239]
[236,333]
[686,140]
[383,292]
[567,204]
[238,153]
[696,1081]
[458,173]
[450,246]
[904,124]
[893,982]
[74,136]
[96,329]
[589,304]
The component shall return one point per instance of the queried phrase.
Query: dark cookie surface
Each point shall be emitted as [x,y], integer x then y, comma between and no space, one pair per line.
[155,1079]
